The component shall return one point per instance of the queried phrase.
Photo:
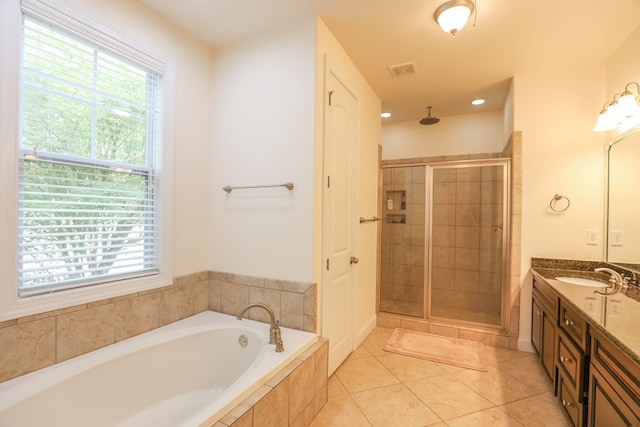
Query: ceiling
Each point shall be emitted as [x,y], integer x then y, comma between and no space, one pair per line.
[509,37]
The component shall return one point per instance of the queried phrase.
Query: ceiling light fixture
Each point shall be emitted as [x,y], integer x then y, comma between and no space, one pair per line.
[478,101]
[385,115]
[622,109]
[453,15]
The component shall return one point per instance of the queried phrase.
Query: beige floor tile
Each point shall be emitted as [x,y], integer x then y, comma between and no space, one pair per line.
[529,370]
[335,387]
[395,390]
[541,410]
[340,411]
[359,353]
[495,385]
[492,417]
[377,339]
[394,405]
[407,368]
[364,374]
[497,355]
[448,397]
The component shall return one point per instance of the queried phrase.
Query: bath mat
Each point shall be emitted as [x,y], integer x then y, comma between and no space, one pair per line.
[452,351]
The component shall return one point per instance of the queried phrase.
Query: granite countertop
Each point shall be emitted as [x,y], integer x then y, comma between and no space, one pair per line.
[616,317]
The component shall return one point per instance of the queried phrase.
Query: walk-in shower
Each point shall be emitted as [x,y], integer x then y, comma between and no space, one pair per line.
[444,251]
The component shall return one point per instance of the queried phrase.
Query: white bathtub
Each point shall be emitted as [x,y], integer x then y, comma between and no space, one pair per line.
[188,373]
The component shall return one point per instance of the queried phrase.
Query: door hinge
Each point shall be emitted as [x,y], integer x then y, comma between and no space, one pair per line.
[329,181]
[327,264]
[330,95]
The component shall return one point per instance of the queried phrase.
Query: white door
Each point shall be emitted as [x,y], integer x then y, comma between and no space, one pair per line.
[339,218]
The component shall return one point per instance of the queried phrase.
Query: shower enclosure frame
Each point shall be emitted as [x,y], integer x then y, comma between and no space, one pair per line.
[505,228]
[427,315]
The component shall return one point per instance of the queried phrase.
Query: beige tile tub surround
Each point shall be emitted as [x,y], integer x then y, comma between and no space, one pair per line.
[34,342]
[293,397]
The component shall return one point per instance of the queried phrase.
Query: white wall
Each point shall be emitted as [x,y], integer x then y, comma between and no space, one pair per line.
[192,123]
[368,142]
[263,133]
[453,135]
[556,112]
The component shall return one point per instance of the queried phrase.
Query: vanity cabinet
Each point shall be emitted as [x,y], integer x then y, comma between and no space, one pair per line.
[614,386]
[543,324]
[572,357]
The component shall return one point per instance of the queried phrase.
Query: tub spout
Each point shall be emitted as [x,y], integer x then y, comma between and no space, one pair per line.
[275,335]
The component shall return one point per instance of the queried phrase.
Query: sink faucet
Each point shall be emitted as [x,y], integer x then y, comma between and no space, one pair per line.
[275,336]
[617,280]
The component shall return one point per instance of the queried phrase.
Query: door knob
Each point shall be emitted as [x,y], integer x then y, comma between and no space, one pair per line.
[353,260]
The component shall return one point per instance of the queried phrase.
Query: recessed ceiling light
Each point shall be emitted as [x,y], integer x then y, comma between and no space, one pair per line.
[385,115]
[478,101]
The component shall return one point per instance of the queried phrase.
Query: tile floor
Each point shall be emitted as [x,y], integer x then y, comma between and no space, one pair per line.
[376,388]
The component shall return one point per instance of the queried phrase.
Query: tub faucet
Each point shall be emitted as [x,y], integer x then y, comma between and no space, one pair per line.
[275,335]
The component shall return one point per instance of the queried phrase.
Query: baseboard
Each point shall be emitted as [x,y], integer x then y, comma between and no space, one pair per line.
[525,345]
[364,332]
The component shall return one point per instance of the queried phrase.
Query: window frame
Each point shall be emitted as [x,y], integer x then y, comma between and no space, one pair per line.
[86,26]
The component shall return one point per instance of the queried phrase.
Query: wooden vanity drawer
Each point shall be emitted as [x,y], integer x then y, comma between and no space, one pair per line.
[613,363]
[574,325]
[546,297]
[571,360]
[574,410]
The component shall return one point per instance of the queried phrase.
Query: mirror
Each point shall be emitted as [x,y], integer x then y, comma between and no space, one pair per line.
[623,201]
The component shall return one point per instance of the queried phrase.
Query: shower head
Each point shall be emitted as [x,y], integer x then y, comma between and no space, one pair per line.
[429,120]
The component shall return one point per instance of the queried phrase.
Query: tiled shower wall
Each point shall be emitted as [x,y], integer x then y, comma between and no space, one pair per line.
[403,235]
[34,342]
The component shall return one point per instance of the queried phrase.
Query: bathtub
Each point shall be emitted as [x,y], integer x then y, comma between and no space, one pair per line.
[188,373]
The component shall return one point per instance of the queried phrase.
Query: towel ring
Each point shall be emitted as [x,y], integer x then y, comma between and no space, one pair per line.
[557,198]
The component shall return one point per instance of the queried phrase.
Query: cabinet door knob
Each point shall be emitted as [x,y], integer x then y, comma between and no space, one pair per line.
[565,403]
[568,322]
[564,359]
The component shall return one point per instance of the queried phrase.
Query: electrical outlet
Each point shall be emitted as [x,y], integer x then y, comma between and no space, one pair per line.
[616,238]
[590,305]
[615,307]
[592,237]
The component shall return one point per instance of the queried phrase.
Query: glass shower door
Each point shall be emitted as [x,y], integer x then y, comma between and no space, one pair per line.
[468,258]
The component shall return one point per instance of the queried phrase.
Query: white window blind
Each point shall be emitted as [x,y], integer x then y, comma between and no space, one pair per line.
[88,210]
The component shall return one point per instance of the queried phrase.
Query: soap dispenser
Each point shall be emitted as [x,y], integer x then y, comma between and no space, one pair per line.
[389,203]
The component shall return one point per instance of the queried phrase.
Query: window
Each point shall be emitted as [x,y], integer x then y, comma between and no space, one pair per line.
[90,201]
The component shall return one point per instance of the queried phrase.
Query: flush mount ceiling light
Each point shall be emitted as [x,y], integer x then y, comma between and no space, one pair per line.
[385,115]
[453,15]
[623,108]
[478,101]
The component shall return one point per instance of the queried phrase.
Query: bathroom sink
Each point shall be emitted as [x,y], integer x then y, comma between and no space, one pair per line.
[581,281]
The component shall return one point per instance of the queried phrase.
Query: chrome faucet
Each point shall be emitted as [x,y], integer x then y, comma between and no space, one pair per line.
[617,280]
[275,335]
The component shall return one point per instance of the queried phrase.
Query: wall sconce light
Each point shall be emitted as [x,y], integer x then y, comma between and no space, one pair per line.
[453,15]
[623,107]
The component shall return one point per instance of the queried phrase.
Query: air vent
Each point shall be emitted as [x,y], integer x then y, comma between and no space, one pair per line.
[402,69]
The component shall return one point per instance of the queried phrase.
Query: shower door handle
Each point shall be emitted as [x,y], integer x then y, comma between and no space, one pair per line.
[353,260]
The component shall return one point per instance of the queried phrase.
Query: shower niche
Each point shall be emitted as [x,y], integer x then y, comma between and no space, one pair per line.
[396,207]
[443,256]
